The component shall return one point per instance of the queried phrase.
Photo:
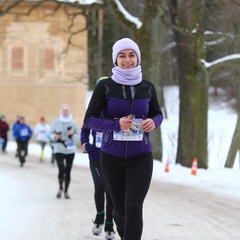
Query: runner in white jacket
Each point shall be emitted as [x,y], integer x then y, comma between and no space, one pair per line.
[42,130]
[66,134]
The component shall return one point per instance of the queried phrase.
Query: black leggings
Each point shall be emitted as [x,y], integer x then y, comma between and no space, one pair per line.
[4,144]
[64,173]
[42,144]
[100,189]
[128,181]
[22,149]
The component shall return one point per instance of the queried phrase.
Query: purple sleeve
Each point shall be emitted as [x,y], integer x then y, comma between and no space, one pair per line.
[84,137]
[99,124]
[158,120]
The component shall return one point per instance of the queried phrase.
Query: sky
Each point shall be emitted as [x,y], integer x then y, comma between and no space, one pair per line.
[221,124]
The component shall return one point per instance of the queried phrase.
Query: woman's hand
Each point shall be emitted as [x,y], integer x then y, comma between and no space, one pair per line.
[57,136]
[148,125]
[83,148]
[70,132]
[125,123]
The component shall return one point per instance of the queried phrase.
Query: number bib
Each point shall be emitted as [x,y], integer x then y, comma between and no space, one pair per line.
[70,144]
[132,134]
[99,137]
[24,132]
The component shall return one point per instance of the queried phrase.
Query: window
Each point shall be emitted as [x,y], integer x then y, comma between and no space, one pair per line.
[17,58]
[48,59]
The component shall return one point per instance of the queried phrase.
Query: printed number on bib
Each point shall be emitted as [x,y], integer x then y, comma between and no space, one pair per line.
[99,137]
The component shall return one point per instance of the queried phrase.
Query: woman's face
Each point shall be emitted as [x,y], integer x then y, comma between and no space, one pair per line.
[127,59]
[65,112]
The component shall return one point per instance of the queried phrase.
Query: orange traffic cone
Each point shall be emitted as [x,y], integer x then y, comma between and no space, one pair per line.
[194,167]
[167,165]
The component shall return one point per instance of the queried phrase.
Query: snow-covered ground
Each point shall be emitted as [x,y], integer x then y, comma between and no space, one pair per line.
[221,124]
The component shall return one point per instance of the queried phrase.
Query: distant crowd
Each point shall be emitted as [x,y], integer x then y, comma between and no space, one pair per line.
[22,133]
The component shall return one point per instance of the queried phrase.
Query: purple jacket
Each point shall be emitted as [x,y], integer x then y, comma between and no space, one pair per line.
[115,101]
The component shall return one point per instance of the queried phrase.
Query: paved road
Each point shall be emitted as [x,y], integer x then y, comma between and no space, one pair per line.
[30,211]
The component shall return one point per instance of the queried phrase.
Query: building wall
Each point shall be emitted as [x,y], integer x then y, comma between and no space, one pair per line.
[39,70]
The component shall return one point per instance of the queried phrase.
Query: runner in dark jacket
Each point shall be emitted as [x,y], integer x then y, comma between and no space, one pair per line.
[101,195]
[4,128]
[130,111]
[22,133]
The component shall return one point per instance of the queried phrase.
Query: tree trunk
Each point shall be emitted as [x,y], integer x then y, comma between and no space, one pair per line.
[100,42]
[235,145]
[148,37]
[193,86]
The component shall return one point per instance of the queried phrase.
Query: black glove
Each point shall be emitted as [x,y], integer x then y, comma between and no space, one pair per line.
[70,135]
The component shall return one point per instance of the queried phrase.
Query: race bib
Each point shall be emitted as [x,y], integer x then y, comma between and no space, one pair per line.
[70,144]
[134,133]
[24,132]
[99,138]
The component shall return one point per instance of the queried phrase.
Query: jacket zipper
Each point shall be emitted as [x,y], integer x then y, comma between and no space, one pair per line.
[126,146]
[106,136]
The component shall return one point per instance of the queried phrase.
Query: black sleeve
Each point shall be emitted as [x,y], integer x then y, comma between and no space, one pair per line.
[154,107]
[97,102]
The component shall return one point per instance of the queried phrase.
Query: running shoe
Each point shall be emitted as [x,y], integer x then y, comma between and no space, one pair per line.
[66,195]
[109,235]
[59,193]
[97,229]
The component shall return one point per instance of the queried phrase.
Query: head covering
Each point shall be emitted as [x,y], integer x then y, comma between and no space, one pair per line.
[101,78]
[65,106]
[42,119]
[21,117]
[123,44]
[65,118]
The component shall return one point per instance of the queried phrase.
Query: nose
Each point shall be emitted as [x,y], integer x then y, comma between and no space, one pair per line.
[127,58]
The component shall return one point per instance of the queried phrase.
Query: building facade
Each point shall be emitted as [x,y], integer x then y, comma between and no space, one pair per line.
[43,60]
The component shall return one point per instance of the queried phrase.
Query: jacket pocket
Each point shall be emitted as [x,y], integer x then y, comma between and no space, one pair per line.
[106,136]
[145,139]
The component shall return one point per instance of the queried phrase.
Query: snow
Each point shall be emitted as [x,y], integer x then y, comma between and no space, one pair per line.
[221,124]
[221,60]
[121,8]
[127,15]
